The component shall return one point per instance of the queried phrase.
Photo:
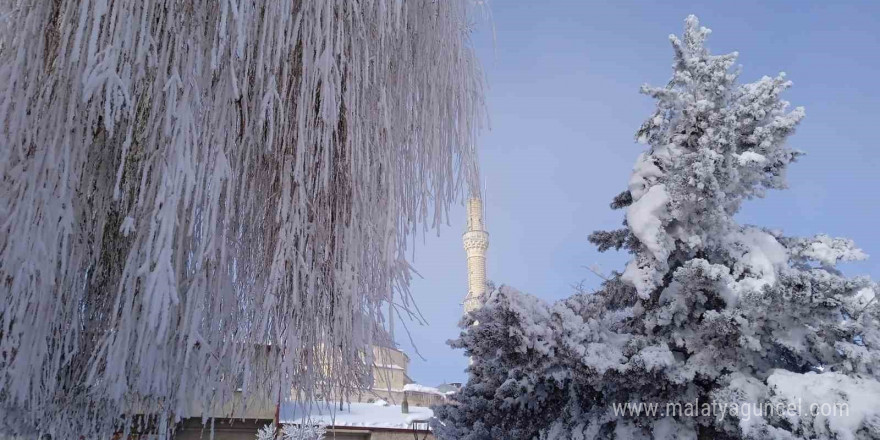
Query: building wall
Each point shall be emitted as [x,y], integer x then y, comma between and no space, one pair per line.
[192,429]
[390,367]
[389,378]
[385,356]
[389,435]
[395,397]
[349,436]
[238,407]
[390,375]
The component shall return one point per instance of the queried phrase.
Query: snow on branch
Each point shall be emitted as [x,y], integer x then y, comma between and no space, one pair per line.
[202,196]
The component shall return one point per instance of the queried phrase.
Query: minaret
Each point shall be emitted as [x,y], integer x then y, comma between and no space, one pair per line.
[476,241]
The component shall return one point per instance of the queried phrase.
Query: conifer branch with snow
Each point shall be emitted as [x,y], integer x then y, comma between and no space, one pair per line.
[707,311]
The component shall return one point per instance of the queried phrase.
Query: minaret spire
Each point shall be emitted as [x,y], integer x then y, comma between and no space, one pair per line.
[476,241]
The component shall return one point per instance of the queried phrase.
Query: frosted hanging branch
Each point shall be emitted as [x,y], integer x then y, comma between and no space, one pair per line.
[200,196]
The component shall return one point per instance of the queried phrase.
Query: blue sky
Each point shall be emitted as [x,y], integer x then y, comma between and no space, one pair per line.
[564,106]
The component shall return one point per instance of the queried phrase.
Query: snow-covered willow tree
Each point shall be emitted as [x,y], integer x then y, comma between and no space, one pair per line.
[730,331]
[197,196]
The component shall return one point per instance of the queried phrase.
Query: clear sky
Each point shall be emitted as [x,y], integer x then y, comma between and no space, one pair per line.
[564,106]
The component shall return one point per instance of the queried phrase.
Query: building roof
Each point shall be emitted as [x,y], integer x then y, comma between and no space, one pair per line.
[449,388]
[358,415]
[426,389]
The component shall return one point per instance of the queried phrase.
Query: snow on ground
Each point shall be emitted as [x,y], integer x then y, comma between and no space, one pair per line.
[367,415]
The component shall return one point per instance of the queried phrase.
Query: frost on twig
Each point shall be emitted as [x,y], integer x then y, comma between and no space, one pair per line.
[203,196]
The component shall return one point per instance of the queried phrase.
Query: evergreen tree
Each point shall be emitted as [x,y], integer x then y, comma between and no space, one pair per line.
[715,330]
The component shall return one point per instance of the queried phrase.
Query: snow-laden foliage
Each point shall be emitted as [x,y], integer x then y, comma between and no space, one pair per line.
[727,331]
[303,432]
[267,432]
[290,431]
[197,196]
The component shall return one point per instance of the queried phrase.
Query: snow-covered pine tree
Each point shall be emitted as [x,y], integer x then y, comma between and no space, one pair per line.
[201,196]
[733,331]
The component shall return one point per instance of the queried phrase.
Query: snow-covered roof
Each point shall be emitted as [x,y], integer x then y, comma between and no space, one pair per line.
[364,415]
[449,388]
[425,389]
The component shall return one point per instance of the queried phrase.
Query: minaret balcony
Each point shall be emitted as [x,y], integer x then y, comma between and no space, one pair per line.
[475,240]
